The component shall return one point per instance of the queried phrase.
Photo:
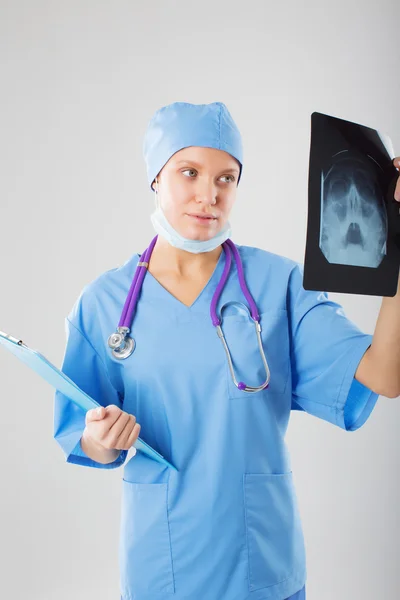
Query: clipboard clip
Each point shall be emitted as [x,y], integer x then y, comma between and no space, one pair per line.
[12,339]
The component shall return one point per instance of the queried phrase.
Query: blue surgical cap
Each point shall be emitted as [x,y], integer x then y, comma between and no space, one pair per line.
[181,124]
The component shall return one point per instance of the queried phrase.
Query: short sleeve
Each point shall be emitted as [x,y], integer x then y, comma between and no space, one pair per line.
[85,367]
[326,349]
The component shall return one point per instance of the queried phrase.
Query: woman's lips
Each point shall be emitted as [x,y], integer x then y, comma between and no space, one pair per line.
[204,220]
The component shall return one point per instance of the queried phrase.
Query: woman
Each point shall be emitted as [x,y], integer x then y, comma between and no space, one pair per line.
[226,524]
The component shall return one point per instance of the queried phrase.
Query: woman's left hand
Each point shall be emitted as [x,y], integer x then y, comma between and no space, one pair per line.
[396,162]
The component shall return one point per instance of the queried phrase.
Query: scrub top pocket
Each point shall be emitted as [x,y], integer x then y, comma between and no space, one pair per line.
[145,548]
[275,541]
[241,338]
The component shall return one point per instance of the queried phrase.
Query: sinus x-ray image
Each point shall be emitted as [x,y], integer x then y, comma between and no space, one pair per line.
[352,215]
[353,223]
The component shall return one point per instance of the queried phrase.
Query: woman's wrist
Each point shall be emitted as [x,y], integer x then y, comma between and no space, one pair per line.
[97,452]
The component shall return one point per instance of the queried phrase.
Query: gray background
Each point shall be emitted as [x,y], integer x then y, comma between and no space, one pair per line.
[79,83]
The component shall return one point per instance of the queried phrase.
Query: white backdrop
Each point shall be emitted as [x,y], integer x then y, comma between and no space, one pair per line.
[79,82]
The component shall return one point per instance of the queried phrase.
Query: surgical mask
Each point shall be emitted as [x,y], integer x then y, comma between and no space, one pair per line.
[165,229]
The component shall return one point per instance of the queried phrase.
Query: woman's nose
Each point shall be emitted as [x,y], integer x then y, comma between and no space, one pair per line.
[206,194]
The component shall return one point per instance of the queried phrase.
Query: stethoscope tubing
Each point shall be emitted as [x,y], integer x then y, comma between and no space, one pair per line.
[123,347]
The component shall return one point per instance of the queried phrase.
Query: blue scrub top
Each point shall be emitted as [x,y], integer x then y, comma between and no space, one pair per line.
[226,526]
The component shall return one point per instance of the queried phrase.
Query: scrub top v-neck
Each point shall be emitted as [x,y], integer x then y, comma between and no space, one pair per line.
[226,525]
[208,287]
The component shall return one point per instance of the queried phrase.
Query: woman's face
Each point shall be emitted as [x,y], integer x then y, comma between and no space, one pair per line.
[198,181]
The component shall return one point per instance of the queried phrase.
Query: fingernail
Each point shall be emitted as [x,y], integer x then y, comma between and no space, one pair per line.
[98,410]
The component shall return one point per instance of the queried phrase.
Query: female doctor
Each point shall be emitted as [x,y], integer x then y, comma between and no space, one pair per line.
[208,371]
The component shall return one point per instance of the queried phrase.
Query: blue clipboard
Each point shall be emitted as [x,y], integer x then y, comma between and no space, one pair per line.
[65,385]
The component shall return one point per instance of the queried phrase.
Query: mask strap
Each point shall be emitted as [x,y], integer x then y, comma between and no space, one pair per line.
[157,195]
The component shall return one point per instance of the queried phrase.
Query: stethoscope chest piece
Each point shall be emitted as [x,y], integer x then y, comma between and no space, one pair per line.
[122,346]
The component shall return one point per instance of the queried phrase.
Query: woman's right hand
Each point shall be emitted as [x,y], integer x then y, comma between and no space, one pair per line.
[111,428]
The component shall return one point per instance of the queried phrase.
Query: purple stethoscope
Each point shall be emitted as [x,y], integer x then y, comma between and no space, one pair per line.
[123,346]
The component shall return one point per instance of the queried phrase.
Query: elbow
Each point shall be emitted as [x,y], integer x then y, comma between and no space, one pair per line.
[388,392]
[392,394]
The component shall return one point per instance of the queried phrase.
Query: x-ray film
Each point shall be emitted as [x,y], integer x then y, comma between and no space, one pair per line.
[353,228]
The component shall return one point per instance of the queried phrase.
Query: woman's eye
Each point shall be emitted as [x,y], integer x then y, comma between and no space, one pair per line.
[193,171]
